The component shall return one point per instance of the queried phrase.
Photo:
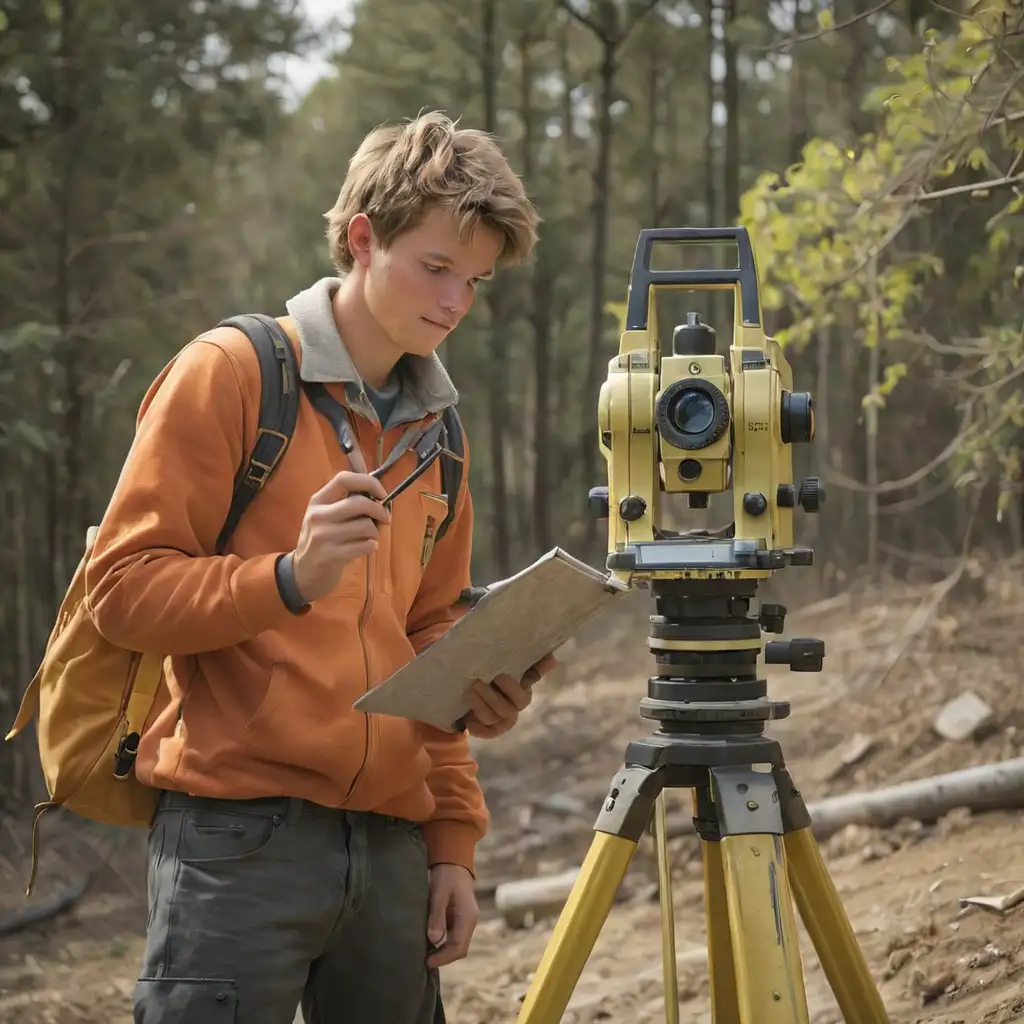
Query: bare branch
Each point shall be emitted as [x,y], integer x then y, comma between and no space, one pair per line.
[639,13]
[909,504]
[782,45]
[567,6]
[612,42]
[890,486]
[977,187]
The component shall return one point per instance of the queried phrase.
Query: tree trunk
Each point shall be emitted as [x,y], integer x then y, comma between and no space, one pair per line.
[497,374]
[653,126]
[710,173]
[733,157]
[599,213]
[541,289]
[73,500]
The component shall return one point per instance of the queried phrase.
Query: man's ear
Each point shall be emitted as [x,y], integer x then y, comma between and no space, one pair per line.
[360,238]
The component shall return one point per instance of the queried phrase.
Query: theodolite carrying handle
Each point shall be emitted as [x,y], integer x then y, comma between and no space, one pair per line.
[642,278]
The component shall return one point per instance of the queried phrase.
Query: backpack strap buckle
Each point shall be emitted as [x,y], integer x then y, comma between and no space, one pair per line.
[265,456]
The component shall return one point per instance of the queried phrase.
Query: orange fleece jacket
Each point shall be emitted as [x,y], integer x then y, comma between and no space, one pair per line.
[258,700]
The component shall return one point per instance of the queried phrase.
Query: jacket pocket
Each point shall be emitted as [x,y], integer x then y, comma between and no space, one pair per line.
[434,508]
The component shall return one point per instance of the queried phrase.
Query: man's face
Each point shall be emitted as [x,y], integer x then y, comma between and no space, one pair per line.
[423,284]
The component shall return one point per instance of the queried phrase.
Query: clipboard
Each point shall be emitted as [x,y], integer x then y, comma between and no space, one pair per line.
[510,628]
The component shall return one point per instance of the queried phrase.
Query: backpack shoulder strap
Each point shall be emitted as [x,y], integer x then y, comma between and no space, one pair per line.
[336,414]
[279,407]
[451,469]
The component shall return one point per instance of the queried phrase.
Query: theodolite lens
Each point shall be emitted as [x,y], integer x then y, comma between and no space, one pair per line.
[692,411]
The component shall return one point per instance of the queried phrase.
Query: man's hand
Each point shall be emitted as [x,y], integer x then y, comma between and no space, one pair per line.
[453,913]
[340,525]
[495,706]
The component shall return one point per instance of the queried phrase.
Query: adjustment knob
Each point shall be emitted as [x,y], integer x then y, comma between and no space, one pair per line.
[597,501]
[754,503]
[796,424]
[772,618]
[801,654]
[812,494]
[632,508]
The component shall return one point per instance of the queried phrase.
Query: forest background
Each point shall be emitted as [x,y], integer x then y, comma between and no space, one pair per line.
[159,170]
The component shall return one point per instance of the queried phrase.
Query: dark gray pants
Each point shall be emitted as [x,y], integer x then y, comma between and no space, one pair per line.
[258,905]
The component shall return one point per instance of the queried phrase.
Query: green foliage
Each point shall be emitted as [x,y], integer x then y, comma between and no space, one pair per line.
[817,231]
[839,235]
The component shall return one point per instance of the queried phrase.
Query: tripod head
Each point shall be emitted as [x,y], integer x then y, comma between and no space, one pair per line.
[698,422]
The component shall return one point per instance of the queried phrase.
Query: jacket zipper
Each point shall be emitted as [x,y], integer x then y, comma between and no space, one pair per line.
[364,616]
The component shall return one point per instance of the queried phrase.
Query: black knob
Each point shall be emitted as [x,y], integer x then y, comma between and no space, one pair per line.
[812,494]
[772,618]
[796,423]
[632,507]
[754,503]
[786,496]
[801,654]
[694,338]
[597,502]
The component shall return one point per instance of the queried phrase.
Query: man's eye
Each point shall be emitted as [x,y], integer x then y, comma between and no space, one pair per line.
[433,269]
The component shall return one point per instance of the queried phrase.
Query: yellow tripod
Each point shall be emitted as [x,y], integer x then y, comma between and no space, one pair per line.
[759,853]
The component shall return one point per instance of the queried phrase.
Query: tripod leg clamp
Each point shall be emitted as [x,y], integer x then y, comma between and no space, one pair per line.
[630,802]
[746,801]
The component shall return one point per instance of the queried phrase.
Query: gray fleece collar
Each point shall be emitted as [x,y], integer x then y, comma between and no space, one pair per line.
[426,386]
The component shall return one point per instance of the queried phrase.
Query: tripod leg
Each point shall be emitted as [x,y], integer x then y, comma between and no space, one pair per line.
[668,914]
[831,933]
[765,946]
[626,813]
[721,967]
[824,918]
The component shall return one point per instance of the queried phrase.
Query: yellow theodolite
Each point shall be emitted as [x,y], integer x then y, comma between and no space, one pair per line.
[698,422]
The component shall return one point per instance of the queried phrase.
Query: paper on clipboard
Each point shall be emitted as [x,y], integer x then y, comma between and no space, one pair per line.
[511,628]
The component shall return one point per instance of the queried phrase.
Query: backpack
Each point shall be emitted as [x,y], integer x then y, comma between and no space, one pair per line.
[92,698]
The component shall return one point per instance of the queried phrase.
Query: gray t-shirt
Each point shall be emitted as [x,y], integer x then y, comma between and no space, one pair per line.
[384,399]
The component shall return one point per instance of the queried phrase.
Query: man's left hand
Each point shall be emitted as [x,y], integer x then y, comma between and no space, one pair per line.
[495,706]
[453,913]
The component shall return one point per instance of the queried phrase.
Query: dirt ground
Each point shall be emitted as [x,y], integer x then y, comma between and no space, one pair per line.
[893,659]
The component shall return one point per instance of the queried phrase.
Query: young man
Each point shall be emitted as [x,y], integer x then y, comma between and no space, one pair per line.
[302,850]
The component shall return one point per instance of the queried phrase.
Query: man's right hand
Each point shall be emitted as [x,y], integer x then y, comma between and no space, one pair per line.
[340,525]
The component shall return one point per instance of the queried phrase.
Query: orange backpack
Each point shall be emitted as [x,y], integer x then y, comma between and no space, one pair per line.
[93,699]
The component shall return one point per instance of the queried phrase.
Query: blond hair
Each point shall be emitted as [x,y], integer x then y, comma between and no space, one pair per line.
[399,171]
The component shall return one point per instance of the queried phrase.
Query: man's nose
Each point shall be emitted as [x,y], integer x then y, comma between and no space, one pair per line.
[456,301]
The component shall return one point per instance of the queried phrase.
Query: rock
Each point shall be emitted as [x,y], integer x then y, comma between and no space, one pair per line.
[855,751]
[897,960]
[962,717]
[562,803]
[928,988]
[984,957]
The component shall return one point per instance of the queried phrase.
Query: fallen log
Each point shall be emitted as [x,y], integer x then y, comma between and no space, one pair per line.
[987,787]
[524,899]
